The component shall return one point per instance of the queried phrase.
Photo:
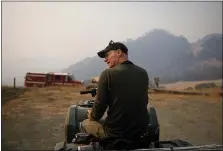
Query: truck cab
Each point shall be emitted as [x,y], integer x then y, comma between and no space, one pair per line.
[61,79]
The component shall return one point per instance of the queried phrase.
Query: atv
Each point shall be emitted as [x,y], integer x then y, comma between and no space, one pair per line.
[77,139]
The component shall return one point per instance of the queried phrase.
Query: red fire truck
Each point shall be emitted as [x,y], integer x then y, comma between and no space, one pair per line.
[51,78]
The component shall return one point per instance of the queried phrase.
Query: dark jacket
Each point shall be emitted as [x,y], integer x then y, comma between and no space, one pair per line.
[124,90]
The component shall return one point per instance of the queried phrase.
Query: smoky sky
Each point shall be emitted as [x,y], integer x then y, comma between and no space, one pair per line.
[50,36]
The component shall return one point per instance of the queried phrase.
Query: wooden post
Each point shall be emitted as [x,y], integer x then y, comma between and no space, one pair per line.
[14,84]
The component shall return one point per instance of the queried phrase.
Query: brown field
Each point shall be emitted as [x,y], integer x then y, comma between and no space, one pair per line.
[34,118]
[181,85]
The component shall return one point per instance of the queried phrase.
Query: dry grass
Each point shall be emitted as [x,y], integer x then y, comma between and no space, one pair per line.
[184,85]
[9,93]
[181,85]
[34,119]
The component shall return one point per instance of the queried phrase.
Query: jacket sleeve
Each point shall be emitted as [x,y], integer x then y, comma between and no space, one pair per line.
[146,81]
[147,90]
[102,97]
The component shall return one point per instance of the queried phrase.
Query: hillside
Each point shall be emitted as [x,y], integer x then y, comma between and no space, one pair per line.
[163,54]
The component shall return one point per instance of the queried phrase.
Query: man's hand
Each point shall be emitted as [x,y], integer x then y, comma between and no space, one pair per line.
[89,114]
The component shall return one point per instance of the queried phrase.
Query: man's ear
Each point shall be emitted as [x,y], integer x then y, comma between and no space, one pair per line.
[119,53]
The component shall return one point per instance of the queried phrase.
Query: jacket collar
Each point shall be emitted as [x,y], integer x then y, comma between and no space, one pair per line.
[127,62]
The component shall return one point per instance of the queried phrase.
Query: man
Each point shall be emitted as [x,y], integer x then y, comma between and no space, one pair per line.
[92,84]
[156,81]
[123,89]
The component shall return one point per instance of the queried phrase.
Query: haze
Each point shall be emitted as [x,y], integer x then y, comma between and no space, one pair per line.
[50,36]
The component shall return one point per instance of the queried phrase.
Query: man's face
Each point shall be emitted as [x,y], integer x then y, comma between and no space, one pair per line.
[111,58]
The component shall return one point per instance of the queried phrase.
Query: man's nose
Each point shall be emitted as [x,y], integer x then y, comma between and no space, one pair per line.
[105,60]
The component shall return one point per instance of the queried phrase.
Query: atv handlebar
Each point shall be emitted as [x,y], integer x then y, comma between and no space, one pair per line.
[92,91]
[85,92]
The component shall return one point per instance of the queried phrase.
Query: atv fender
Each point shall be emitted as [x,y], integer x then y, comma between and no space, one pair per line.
[75,115]
[154,128]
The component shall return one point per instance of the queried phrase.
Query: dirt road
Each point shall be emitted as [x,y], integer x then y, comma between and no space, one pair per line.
[35,119]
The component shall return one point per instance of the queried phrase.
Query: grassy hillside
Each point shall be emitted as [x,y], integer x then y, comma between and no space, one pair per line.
[162,54]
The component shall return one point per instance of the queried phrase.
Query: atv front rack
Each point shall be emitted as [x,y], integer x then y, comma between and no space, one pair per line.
[62,146]
[93,92]
[188,148]
[213,147]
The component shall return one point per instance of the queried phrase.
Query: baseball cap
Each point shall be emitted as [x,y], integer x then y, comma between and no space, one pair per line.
[113,46]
